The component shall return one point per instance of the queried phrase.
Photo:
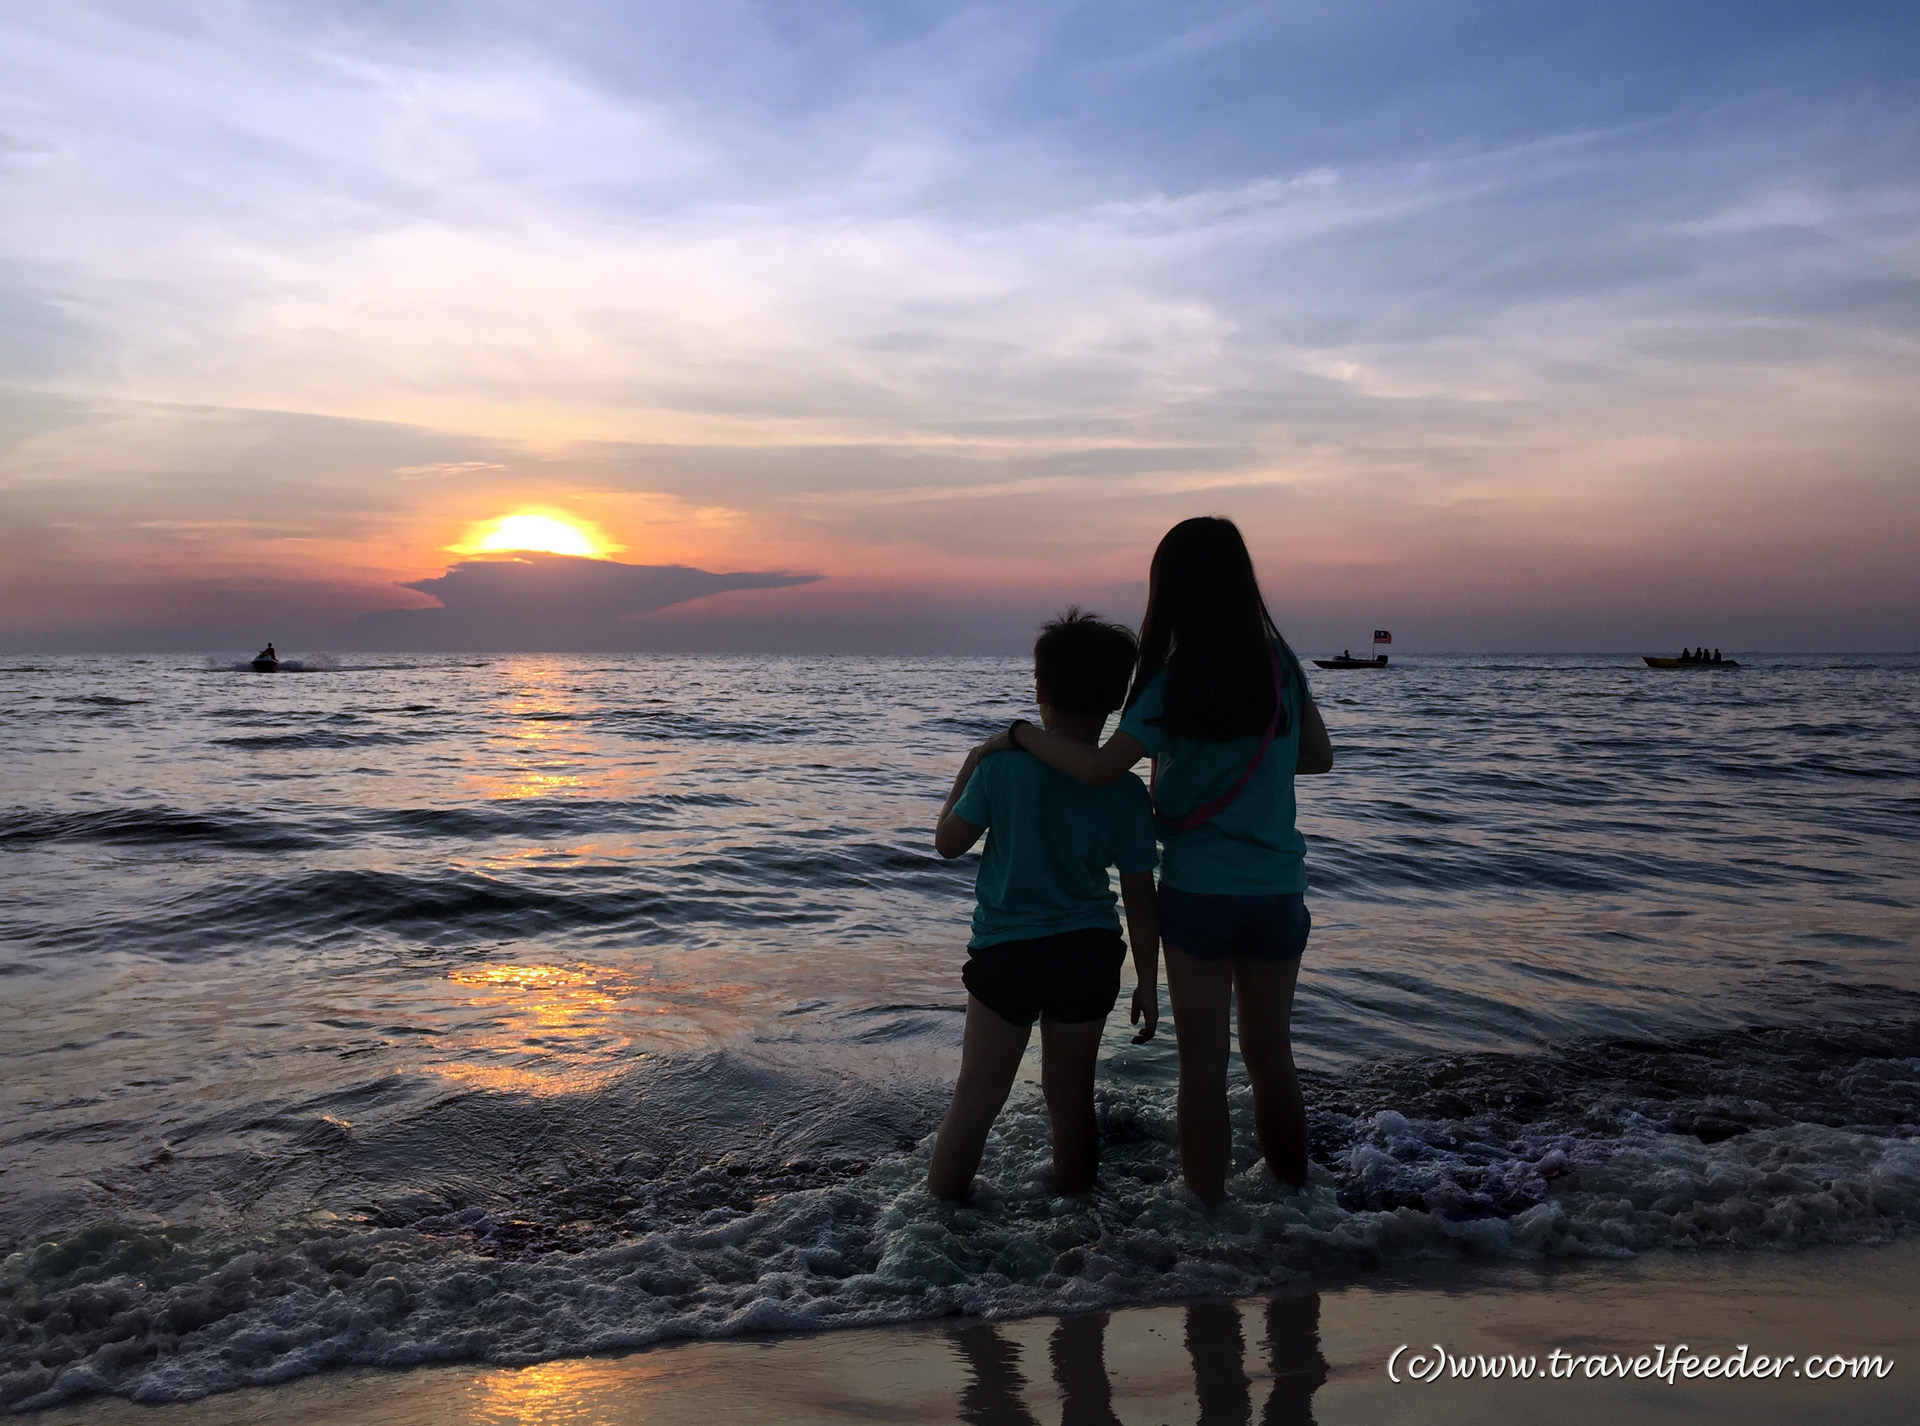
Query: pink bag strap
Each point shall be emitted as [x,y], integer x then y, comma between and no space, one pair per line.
[1207,811]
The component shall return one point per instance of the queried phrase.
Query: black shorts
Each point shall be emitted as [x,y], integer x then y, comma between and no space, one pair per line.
[1071,977]
[1212,927]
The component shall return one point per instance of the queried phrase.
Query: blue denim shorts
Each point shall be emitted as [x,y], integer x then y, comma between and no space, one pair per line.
[1272,929]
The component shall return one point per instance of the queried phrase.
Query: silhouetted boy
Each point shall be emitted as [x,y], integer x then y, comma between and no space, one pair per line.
[1046,940]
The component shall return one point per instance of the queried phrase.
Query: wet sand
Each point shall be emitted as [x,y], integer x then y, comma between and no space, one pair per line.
[1300,1355]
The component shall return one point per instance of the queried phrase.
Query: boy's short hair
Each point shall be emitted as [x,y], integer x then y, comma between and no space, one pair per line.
[1085,663]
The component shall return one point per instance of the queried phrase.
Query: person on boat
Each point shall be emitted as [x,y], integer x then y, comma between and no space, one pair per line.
[1221,704]
[1346,653]
[268,653]
[1716,656]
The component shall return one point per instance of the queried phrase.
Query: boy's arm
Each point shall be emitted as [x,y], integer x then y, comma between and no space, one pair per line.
[953,836]
[1143,929]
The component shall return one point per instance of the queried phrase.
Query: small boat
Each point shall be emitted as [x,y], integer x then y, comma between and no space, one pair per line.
[1654,661]
[1347,660]
[265,665]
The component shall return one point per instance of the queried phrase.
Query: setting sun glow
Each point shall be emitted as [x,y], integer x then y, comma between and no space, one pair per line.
[543,534]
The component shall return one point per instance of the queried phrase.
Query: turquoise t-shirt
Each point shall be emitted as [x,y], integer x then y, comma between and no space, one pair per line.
[1252,847]
[1050,841]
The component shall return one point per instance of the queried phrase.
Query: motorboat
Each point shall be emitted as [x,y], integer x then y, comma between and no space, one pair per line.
[1655,661]
[1348,661]
[266,661]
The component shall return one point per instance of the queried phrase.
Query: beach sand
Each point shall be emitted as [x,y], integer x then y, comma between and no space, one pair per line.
[1301,1355]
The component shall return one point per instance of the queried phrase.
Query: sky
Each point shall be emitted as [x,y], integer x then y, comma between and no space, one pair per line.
[1575,326]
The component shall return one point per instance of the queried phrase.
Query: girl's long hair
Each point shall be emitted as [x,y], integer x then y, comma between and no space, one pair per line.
[1208,627]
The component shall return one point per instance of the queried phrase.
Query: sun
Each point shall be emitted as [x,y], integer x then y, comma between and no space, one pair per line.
[534,532]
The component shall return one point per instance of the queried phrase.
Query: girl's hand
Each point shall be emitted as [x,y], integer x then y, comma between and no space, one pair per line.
[1000,742]
[1146,1007]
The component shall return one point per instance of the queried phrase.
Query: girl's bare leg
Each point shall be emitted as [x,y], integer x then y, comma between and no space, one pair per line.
[1067,1056]
[989,1059]
[1264,995]
[1202,995]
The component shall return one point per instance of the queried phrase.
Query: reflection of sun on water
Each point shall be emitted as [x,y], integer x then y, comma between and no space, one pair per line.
[549,997]
[551,1025]
[535,784]
[544,731]
[554,1029]
[572,1393]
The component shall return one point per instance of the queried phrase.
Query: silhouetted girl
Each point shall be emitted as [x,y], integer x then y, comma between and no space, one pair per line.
[1221,705]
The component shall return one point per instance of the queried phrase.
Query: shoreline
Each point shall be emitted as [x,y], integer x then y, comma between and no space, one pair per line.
[1308,1352]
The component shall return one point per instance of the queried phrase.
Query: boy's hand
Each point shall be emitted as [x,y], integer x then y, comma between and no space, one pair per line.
[1146,1007]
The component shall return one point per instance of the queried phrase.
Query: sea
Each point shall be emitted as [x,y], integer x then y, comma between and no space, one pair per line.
[498,1009]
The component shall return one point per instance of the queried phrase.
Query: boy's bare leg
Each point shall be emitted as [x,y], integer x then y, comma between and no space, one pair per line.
[989,1059]
[1265,998]
[1202,996]
[1067,1055]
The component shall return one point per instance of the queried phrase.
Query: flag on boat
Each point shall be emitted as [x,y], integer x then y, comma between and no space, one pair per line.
[1381,636]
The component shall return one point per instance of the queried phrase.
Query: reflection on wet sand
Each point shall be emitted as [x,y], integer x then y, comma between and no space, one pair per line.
[1293,1356]
[995,1389]
[1078,1350]
[995,1383]
[1219,1353]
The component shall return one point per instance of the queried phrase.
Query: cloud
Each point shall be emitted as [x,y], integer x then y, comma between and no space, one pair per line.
[546,603]
[448,469]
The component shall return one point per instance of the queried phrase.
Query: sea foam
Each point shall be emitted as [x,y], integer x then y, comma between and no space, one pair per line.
[165,1314]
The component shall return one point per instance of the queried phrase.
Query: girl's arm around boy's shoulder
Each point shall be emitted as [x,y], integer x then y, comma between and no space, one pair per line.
[1096,766]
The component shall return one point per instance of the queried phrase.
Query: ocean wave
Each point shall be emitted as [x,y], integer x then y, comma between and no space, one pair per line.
[536,817]
[317,738]
[439,907]
[696,900]
[1615,1148]
[1371,870]
[167,1316]
[164,827]
[291,828]
[672,724]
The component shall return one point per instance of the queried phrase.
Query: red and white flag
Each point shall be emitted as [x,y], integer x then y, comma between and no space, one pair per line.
[1381,636]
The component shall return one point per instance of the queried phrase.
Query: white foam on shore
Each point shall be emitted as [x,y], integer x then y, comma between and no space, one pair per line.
[158,1317]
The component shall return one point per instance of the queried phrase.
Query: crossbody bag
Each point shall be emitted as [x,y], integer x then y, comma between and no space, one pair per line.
[1207,811]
